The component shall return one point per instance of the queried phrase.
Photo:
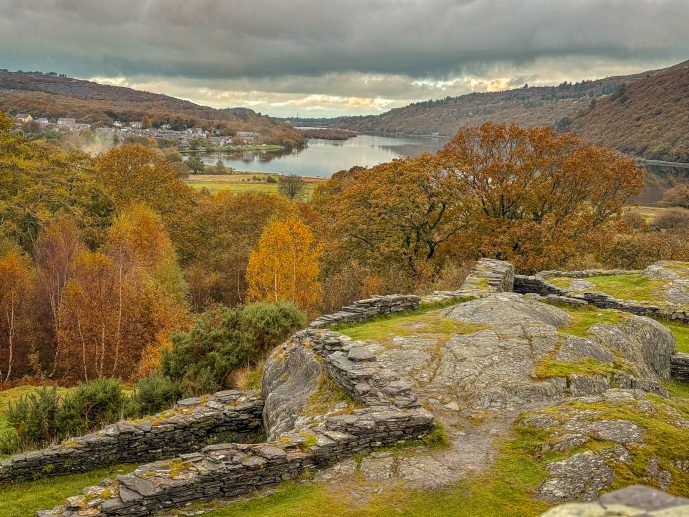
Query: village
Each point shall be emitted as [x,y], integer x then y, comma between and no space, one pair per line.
[194,138]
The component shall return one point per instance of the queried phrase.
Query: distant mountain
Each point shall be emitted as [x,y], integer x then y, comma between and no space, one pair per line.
[644,114]
[53,96]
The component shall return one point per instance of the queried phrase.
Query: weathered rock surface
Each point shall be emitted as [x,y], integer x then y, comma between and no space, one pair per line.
[290,377]
[632,501]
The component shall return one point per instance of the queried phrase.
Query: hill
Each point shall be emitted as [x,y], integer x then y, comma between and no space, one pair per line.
[648,117]
[643,114]
[52,96]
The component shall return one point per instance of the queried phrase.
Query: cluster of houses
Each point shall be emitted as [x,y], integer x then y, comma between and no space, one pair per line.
[121,130]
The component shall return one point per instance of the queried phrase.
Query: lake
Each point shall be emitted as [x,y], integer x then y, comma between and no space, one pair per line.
[322,158]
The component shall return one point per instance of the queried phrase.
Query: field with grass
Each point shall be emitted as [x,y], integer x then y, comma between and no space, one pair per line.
[244,182]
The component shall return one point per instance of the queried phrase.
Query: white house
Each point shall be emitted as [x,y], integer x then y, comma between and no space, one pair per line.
[66,122]
[23,117]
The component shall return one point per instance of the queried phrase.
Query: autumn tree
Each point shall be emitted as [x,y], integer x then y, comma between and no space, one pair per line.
[401,214]
[538,196]
[55,253]
[284,265]
[15,287]
[676,196]
[123,301]
[227,227]
[292,186]
[138,174]
[38,181]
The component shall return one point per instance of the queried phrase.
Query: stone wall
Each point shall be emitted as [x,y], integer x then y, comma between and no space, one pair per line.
[188,427]
[490,275]
[229,470]
[680,366]
[538,285]
[363,310]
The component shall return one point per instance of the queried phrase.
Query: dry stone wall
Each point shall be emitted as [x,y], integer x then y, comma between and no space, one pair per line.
[229,470]
[188,427]
[539,285]
[363,310]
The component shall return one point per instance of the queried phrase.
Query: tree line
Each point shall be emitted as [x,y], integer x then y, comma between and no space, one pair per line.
[110,264]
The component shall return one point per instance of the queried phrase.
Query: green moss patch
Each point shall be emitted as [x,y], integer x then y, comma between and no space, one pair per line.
[415,324]
[326,397]
[630,286]
[550,368]
[583,318]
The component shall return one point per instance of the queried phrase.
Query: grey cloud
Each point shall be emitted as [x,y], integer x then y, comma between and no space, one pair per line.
[342,47]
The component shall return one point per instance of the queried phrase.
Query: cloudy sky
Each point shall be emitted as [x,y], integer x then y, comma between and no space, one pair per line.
[332,57]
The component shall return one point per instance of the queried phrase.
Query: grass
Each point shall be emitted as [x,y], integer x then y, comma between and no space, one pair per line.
[504,490]
[244,182]
[681,333]
[630,286]
[385,330]
[424,321]
[22,499]
[583,318]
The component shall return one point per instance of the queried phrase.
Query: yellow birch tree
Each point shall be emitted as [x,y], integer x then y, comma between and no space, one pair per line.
[284,265]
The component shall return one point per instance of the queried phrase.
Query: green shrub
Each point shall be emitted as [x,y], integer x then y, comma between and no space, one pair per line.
[223,340]
[33,417]
[90,406]
[153,394]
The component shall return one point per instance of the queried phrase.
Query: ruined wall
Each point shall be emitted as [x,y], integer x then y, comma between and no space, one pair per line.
[229,470]
[363,310]
[188,427]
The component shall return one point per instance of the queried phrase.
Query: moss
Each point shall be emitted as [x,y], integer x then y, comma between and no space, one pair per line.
[661,438]
[681,333]
[326,397]
[310,439]
[70,443]
[583,318]
[629,286]
[549,368]
[385,329]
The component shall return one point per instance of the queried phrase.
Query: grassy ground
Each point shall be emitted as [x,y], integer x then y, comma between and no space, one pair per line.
[244,182]
[24,499]
[502,491]
[631,286]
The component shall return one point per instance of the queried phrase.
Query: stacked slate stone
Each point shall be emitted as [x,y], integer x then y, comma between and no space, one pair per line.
[363,310]
[680,366]
[540,286]
[187,427]
[356,370]
[586,273]
[486,277]
[229,470]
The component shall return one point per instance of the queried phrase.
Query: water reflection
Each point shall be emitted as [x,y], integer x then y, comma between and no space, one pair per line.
[325,157]
[658,179]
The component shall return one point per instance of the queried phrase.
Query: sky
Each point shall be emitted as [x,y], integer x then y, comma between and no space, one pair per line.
[321,58]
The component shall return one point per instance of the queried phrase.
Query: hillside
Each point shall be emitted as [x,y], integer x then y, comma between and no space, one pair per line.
[647,118]
[643,114]
[53,96]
